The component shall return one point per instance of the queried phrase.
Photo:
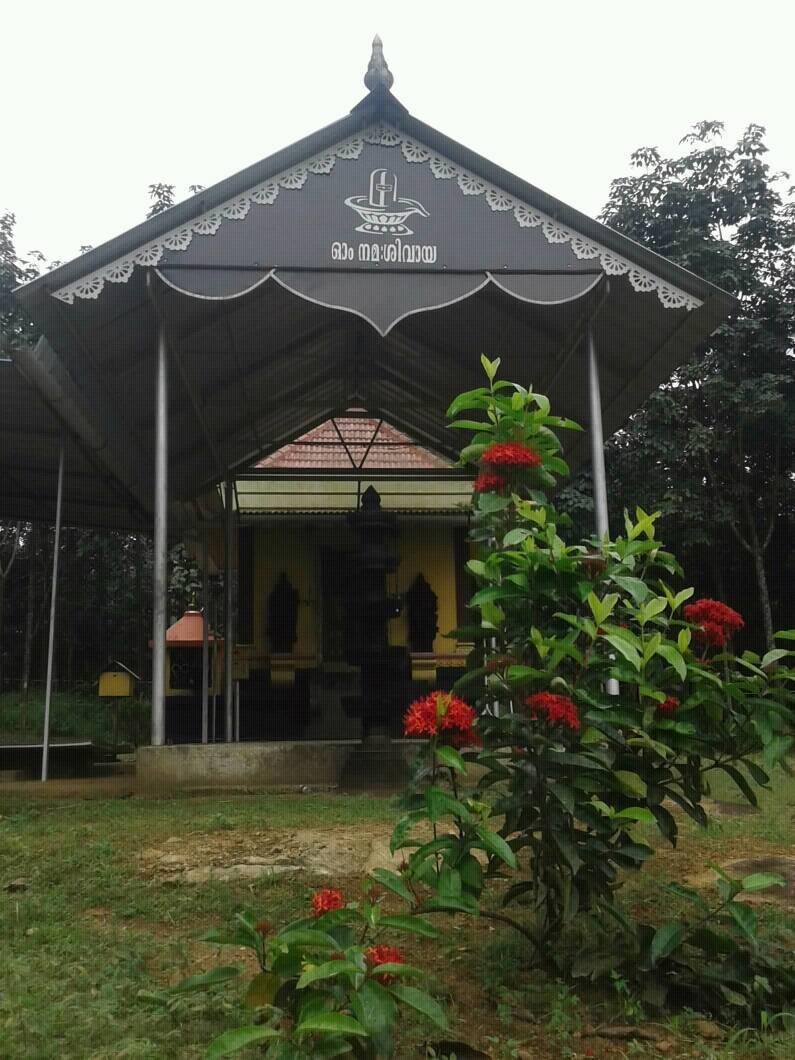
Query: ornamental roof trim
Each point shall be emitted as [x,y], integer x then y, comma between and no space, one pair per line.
[298,177]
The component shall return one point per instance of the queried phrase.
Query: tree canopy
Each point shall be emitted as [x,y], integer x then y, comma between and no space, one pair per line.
[714,448]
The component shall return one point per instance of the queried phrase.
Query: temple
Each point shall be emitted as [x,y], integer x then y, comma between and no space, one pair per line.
[263,371]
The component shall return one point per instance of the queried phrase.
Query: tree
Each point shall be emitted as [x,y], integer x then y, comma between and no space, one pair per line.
[714,448]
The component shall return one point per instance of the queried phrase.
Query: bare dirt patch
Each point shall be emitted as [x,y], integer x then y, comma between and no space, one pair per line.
[773,863]
[329,852]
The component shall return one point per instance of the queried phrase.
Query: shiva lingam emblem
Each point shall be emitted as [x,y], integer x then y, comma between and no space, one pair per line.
[382,212]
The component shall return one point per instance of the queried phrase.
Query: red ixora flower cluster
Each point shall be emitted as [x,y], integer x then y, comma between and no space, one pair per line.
[488,483]
[510,454]
[668,706]
[378,955]
[438,712]
[716,621]
[554,709]
[326,901]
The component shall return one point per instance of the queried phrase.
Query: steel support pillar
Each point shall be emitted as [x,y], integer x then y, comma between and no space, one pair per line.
[205,638]
[229,526]
[598,460]
[597,441]
[56,549]
[160,559]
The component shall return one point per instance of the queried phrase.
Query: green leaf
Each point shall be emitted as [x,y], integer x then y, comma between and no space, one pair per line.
[262,990]
[560,421]
[471,873]
[636,813]
[745,919]
[674,658]
[470,399]
[774,656]
[666,939]
[232,1041]
[422,1002]
[785,634]
[689,894]
[493,616]
[630,783]
[440,803]
[491,502]
[415,925]
[448,756]
[470,454]
[449,884]
[375,1008]
[327,1048]
[602,609]
[306,937]
[330,1023]
[776,749]
[490,367]
[558,466]
[636,588]
[761,881]
[569,851]
[652,608]
[464,903]
[327,970]
[471,425]
[515,536]
[495,844]
[624,648]
[214,977]
[393,883]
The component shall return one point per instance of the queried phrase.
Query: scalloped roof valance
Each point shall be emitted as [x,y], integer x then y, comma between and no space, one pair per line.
[463,225]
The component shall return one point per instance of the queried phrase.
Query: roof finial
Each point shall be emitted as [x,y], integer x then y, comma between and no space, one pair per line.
[378,73]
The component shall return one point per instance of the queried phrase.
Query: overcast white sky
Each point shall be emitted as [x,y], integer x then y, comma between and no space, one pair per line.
[104,98]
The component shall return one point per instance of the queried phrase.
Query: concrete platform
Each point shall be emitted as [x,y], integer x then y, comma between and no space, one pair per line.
[314,764]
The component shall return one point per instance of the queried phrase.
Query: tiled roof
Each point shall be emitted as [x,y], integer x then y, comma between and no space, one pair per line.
[342,443]
[187,631]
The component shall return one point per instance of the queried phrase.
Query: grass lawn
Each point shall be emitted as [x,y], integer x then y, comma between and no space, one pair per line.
[91,929]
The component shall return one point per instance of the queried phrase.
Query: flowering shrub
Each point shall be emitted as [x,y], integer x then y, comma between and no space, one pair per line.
[327,984]
[715,622]
[571,769]
[555,710]
[441,713]
[327,901]
[509,455]
[488,482]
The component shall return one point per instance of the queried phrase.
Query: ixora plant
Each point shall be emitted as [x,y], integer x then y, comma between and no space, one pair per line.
[602,698]
[328,983]
[599,697]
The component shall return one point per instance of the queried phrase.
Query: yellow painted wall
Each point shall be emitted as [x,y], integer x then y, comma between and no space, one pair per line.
[428,550]
[290,549]
[424,548]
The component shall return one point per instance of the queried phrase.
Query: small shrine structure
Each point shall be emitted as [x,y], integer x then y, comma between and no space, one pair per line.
[330,299]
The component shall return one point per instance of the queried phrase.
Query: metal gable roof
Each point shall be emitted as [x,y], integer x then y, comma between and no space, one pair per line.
[274,357]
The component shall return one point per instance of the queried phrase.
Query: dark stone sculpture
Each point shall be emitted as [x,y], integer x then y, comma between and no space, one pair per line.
[283,616]
[384,669]
[422,612]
